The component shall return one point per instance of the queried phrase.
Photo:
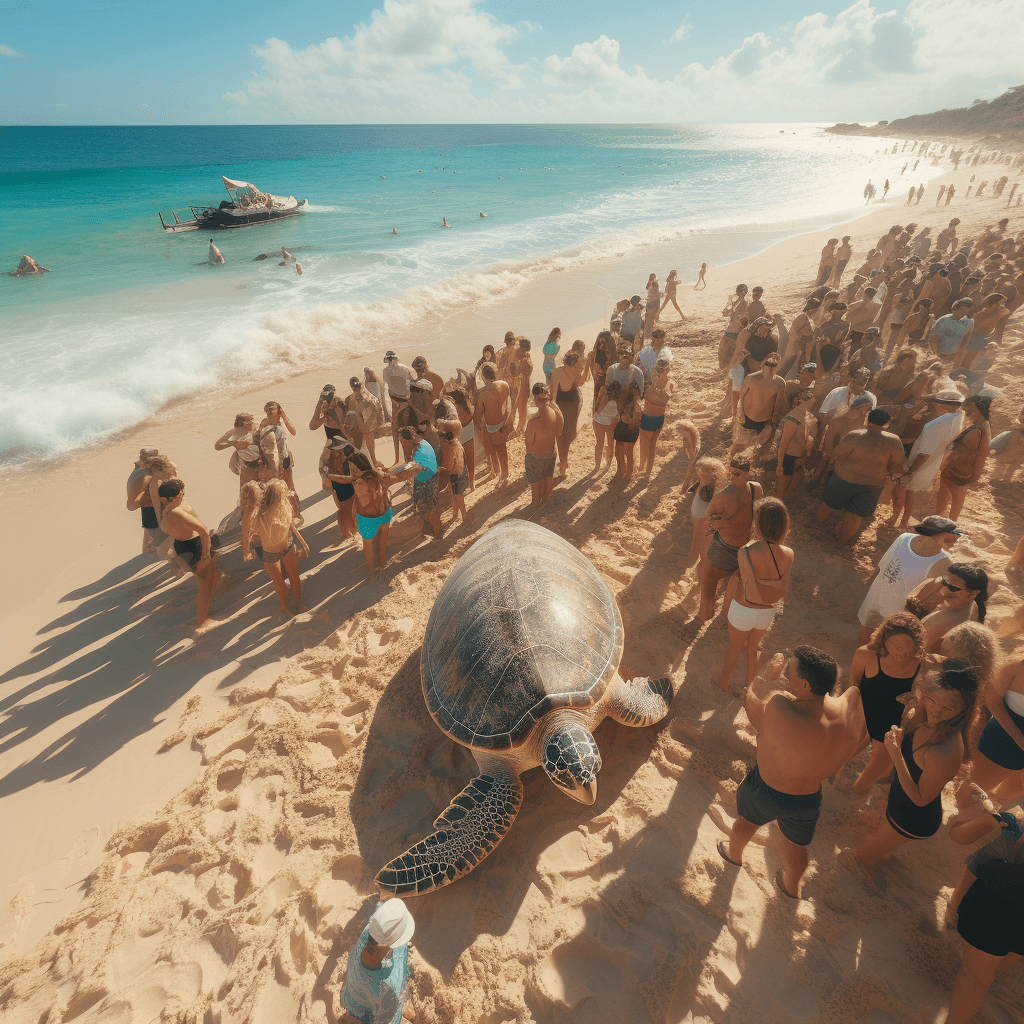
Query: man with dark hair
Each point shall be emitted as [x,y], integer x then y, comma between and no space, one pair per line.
[422,468]
[804,735]
[632,321]
[493,418]
[544,426]
[830,336]
[191,544]
[862,462]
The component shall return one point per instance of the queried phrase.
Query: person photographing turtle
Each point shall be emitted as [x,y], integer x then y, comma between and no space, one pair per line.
[376,984]
[329,413]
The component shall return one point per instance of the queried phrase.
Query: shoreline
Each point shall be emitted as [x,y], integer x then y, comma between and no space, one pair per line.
[111,700]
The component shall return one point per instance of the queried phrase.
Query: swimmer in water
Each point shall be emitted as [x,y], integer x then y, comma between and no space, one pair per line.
[444,222]
[394,231]
[483,214]
[215,257]
[287,259]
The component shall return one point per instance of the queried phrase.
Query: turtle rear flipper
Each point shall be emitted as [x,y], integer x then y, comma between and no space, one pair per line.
[468,830]
[640,702]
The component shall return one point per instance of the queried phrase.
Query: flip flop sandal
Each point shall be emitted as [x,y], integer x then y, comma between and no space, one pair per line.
[723,852]
[780,883]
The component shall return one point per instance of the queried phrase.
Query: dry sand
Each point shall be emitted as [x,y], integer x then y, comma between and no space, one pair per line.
[191,826]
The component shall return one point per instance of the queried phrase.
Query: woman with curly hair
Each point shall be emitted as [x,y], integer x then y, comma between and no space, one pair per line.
[267,512]
[927,753]
[965,461]
[975,643]
[711,474]
[885,669]
[959,595]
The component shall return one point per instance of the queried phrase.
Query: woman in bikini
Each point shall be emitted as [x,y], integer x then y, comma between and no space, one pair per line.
[550,350]
[799,428]
[652,419]
[998,764]
[606,412]
[267,512]
[625,433]
[671,284]
[884,669]
[927,753]
[710,474]
[965,460]
[275,421]
[372,498]
[467,434]
[764,576]
[601,357]
[566,381]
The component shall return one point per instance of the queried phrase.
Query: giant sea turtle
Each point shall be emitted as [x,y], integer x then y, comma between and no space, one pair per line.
[520,664]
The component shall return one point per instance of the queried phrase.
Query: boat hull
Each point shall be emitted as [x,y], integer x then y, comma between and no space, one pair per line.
[211,219]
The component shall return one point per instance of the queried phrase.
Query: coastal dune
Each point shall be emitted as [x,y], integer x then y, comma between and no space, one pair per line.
[192,824]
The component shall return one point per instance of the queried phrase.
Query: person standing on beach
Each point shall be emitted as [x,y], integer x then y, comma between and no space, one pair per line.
[759,407]
[885,189]
[949,195]
[566,381]
[652,307]
[632,322]
[801,338]
[372,500]
[267,512]
[422,469]
[804,736]
[139,498]
[671,284]
[424,372]
[920,194]
[397,377]
[701,283]
[795,443]
[329,413]
[192,544]
[827,263]
[843,254]
[863,460]
[735,310]
[493,418]
[542,431]
[524,384]
[729,515]
[652,419]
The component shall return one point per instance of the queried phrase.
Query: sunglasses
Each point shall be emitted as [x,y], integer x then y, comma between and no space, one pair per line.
[950,587]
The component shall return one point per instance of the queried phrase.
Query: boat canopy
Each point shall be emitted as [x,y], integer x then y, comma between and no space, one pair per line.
[230,185]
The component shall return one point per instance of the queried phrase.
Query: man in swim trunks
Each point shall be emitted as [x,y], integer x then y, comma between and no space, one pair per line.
[801,338]
[397,376]
[191,543]
[423,471]
[729,514]
[736,310]
[804,736]
[424,372]
[492,420]
[544,426]
[625,371]
[830,338]
[863,461]
[759,407]
[369,414]
[804,380]
[632,323]
[139,498]
[838,426]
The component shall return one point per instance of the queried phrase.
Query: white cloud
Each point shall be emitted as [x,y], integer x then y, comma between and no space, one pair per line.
[445,60]
[681,31]
[9,51]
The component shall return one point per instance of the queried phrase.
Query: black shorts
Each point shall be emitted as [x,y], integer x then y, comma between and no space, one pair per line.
[789,464]
[758,803]
[191,551]
[343,491]
[989,923]
[857,499]
[149,521]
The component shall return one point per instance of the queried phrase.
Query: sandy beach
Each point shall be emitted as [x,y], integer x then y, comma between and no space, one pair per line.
[191,825]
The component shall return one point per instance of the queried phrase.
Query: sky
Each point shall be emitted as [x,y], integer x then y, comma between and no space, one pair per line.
[501,61]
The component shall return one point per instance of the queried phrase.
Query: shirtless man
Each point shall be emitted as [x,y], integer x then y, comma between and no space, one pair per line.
[795,442]
[804,736]
[843,254]
[863,461]
[424,372]
[525,377]
[493,417]
[756,308]
[735,311]
[827,262]
[369,415]
[506,357]
[947,237]
[329,413]
[861,315]
[837,426]
[454,466]
[542,430]
[191,543]
[729,514]
[801,337]
[759,407]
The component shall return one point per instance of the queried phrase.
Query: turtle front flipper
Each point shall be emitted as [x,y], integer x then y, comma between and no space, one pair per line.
[468,830]
[639,702]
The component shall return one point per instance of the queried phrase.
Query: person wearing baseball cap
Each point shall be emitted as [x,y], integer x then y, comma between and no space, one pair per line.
[397,378]
[139,498]
[925,458]
[911,559]
[377,980]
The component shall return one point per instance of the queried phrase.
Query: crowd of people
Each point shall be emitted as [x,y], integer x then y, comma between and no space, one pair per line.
[874,393]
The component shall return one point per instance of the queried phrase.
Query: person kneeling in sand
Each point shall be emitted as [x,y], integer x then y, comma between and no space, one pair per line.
[377,978]
[371,486]
[804,735]
[268,512]
[192,543]
[542,430]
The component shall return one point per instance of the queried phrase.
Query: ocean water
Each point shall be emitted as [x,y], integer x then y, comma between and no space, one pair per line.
[130,317]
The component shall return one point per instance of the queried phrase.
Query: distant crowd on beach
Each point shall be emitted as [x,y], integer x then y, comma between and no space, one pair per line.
[873,395]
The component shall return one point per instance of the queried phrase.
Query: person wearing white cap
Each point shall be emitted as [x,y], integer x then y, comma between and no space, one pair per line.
[397,376]
[139,498]
[925,458]
[377,980]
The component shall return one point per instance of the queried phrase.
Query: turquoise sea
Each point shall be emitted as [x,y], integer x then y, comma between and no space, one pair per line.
[131,317]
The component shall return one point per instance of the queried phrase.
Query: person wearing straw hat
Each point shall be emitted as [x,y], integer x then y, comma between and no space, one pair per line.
[377,980]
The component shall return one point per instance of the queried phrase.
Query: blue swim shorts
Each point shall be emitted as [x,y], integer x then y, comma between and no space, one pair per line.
[368,525]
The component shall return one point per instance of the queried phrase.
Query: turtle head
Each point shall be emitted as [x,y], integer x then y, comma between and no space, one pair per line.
[571,759]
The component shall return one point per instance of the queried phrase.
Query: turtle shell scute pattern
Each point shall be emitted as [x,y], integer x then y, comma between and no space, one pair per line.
[524,625]
[573,745]
[462,839]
